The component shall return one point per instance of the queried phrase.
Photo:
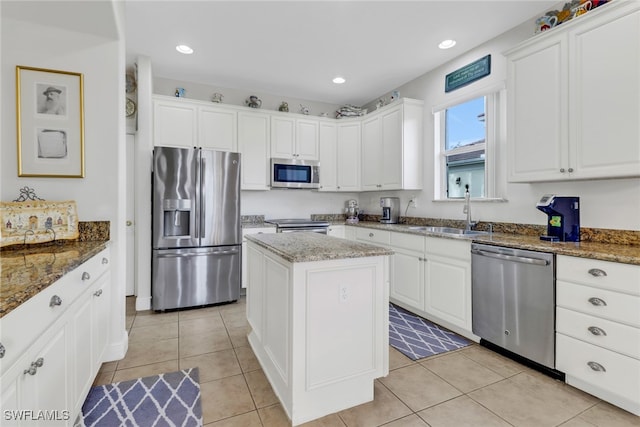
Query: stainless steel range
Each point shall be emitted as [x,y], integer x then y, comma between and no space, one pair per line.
[296,225]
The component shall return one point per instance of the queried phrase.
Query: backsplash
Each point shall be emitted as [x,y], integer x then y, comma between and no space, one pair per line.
[94,230]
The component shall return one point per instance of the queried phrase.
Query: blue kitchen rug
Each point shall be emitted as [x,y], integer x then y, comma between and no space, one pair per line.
[417,338]
[171,399]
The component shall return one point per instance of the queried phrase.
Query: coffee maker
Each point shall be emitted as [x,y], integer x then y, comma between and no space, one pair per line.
[352,211]
[390,210]
[563,224]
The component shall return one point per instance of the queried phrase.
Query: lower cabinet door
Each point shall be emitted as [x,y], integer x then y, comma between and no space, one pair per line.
[101,307]
[46,383]
[448,290]
[407,278]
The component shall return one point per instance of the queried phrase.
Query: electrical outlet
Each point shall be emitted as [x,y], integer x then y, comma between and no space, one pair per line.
[344,293]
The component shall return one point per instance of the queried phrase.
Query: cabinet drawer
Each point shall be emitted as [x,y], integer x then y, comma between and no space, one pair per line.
[620,374]
[374,236]
[599,302]
[603,274]
[610,335]
[408,241]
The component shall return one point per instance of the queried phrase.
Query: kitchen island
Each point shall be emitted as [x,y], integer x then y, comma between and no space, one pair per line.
[318,309]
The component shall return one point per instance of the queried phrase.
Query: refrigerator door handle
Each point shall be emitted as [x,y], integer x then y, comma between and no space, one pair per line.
[202,197]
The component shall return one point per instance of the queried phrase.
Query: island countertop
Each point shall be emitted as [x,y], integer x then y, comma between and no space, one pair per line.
[305,247]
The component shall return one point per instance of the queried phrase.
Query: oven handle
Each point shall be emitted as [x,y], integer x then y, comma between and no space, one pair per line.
[321,230]
[524,260]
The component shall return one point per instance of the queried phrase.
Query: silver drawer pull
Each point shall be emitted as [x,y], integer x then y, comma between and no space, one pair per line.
[34,367]
[597,331]
[86,276]
[99,292]
[370,234]
[596,272]
[2,351]
[105,260]
[597,302]
[55,300]
[596,366]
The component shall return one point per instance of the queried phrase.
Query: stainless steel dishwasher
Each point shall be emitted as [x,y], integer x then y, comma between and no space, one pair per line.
[513,301]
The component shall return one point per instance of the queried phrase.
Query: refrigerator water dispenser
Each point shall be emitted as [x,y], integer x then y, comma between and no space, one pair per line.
[177,217]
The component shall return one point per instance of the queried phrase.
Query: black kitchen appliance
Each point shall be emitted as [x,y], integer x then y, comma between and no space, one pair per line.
[563,224]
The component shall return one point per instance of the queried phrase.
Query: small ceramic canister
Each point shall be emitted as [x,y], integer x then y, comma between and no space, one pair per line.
[180,92]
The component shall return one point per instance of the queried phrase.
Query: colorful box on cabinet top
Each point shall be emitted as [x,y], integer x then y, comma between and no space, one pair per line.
[37,222]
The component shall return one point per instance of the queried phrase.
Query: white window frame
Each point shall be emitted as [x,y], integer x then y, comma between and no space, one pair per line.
[495,117]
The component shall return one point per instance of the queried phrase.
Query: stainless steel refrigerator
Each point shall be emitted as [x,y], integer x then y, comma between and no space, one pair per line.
[196,248]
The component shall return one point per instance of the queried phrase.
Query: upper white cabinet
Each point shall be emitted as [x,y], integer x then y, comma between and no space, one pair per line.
[348,157]
[571,114]
[218,128]
[294,138]
[392,147]
[253,144]
[188,123]
[174,123]
[328,137]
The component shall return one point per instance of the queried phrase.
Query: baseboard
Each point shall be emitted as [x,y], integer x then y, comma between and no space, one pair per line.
[143,303]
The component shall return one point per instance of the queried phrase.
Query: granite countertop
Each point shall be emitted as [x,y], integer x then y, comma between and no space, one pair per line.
[246,225]
[305,247]
[26,271]
[623,253]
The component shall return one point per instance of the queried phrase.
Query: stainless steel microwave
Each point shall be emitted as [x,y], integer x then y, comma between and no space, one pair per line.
[295,173]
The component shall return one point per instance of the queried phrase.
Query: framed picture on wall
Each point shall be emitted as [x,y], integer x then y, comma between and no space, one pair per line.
[50,119]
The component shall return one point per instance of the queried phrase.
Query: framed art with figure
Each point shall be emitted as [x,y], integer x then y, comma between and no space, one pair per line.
[50,119]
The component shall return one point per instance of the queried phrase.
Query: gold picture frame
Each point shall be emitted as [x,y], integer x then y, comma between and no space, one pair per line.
[50,121]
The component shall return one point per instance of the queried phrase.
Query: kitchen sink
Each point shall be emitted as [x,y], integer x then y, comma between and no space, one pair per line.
[448,230]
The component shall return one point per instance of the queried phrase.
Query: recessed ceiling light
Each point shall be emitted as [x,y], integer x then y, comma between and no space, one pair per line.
[339,80]
[446,44]
[183,48]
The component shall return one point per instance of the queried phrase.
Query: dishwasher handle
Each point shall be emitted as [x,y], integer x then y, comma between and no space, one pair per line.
[514,258]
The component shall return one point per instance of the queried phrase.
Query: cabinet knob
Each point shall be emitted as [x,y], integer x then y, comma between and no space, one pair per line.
[97,293]
[55,300]
[86,276]
[2,351]
[370,234]
[596,367]
[597,302]
[596,272]
[597,331]
[33,368]
[105,260]
[570,170]
[129,223]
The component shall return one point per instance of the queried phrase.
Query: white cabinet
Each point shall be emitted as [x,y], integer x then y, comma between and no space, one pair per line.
[568,116]
[55,343]
[254,145]
[337,231]
[392,147]
[179,122]
[598,328]
[328,137]
[348,158]
[245,231]
[294,138]
[218,128]
[407,269]
[448,282]
[174,123]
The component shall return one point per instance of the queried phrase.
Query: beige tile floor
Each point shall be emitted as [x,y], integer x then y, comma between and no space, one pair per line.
[468,387]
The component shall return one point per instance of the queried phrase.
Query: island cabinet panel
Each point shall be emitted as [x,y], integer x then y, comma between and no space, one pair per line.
[320,329]
[276,316]
[345,292]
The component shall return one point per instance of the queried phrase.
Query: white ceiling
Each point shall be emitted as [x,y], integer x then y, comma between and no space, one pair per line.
[295,48]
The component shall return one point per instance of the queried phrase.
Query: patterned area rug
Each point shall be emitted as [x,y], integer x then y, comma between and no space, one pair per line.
[171,399]
[417,338]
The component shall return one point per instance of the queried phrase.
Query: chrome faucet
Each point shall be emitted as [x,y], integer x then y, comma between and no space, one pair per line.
[470,225]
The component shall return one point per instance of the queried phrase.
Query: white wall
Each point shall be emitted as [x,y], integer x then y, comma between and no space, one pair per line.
[99,195]
[613,204]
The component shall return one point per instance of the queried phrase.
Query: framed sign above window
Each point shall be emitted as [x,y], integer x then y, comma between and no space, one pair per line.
[50,123]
